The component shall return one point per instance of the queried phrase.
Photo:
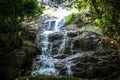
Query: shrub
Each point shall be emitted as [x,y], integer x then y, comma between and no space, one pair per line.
[69,19]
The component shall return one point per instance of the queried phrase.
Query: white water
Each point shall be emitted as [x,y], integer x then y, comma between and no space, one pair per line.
[45,63]
[64,43]
[59,23]
[69,71]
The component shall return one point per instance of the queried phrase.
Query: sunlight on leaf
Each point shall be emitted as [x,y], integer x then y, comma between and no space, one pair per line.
[97,21]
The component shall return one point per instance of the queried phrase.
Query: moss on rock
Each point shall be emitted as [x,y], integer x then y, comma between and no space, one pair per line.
[44,77]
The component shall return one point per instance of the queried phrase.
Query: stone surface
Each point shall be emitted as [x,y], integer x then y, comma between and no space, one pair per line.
[91,65]
[76,41]
[18,61]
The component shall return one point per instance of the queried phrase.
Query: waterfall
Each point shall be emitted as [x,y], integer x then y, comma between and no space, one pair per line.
[44,44]
[45,63]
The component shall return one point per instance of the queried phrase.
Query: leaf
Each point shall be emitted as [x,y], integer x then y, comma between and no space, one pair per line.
[98,21]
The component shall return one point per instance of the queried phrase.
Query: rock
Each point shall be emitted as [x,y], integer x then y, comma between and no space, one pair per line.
[90,65]
[93,67]
[56,36]
[18,61]
[40,21]
[82,55]
[76,41]
[73,34]
[87,41]
[83,64]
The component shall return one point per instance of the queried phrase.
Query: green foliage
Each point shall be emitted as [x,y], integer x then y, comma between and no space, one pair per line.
[106,18]
[69,19]
[104,22]
[108,28]
[97,21]
[80,4]
[43,77]
[109,18]
[12,13]
[107,12]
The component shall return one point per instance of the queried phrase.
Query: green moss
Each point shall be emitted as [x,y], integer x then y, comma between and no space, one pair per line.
[44,77]
[69,19]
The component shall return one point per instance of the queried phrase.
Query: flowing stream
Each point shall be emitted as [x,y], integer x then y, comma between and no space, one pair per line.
[45,63]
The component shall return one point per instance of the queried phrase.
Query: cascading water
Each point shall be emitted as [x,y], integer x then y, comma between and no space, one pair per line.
[59,23]
[69,71]
[64,42]
[45,63]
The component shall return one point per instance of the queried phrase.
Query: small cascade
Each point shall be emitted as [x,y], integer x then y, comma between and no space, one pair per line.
[71,47]
[59,23]
[54,24]
[45,63]
[45,66]
[48,24]
[64,43]
[69,71]
[45,44]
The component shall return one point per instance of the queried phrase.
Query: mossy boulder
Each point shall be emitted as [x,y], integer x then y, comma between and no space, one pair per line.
[43,77]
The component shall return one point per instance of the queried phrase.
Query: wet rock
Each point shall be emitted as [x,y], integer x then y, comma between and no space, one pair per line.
[56,36]
[90,65]
[73,34]
[75,41]
[60,56]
